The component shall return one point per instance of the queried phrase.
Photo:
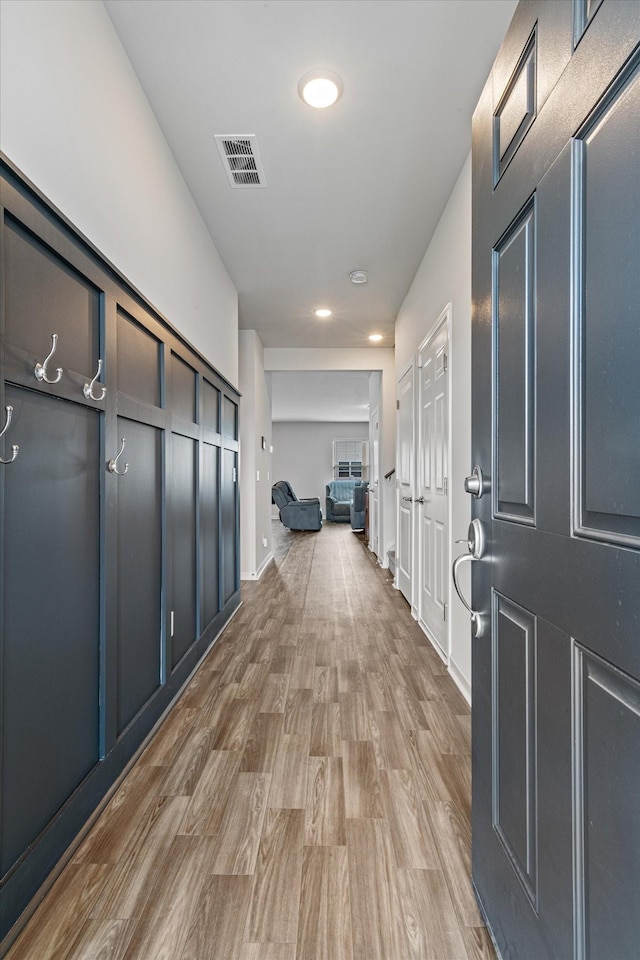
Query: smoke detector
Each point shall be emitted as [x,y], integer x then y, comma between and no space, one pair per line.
[358,276]
[241,159]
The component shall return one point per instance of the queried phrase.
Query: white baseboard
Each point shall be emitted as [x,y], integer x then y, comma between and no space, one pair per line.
[460,681]
[263,566]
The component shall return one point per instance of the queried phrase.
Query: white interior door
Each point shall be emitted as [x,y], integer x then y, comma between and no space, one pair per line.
[432,509]
[405,462]
[374,483]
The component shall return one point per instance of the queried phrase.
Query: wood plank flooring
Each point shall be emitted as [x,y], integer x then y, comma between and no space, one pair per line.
[306,799]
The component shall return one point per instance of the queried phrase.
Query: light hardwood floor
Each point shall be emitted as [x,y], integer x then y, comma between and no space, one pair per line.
[308,797]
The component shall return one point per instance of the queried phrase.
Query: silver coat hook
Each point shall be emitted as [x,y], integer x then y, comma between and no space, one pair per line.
[40,369]
[88,387]
[15,447]
[112,466]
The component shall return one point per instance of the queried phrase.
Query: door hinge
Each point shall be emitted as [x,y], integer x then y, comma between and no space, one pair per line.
[444,612]
[445,486]
[420,360]
[445,359]
[235,474]
[397,404]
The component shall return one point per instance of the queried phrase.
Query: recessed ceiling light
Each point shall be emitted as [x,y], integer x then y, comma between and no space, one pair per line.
[375,337]
[320,88]
[358,276]
[323,313]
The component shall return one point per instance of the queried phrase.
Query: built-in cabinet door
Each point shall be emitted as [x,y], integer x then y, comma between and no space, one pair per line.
[139,567]
[229,500]
[50,545]
[209,537]
[184,617]
[209,526]
[229,517]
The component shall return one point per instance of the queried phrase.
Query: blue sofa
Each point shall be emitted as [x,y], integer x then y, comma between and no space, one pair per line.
[296,514]
[339,499]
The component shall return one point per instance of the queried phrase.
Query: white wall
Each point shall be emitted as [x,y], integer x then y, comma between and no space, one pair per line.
[255,460]
[365,358]
[302,453]
[76,121]
[445,276]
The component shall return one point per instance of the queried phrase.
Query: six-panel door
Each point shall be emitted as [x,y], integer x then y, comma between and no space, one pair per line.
[556,430]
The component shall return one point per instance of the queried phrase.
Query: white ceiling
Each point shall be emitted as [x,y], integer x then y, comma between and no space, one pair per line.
[328,396]
[359,185]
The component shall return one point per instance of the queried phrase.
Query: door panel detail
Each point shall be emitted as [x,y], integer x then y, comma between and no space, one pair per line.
[583,13]
[514,369]
[513,712]
[606,382]
[606,809]
[427,568]
[516,110]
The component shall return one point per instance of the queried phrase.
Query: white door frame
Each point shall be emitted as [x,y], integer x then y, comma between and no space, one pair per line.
[409,368]
[444,320]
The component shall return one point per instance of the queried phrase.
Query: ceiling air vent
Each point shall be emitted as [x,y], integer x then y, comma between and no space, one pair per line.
[241,160]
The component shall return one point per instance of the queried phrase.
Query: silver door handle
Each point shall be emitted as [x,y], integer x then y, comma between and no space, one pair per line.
[421,500]
[475,484]
[475,546]
[408,499]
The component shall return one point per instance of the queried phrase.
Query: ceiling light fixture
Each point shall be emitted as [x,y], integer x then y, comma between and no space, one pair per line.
[376,337]
[358,276]
[320,88]
[322,313]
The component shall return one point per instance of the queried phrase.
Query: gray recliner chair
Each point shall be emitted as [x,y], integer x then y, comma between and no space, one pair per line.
[357,506]
[296,514]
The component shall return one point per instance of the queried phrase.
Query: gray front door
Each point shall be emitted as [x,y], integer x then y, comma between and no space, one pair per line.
[556,431]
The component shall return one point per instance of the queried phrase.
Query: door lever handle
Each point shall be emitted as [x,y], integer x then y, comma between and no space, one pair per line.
[475,546]
[408,499]
[419,500]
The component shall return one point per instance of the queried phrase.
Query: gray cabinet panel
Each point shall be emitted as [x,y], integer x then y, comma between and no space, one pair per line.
[139,589]
[183,545]
[139,361]
[183,390]
[229,493]
[43,296]
[51,617]
[209,531]
[210,406]
[229,418]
